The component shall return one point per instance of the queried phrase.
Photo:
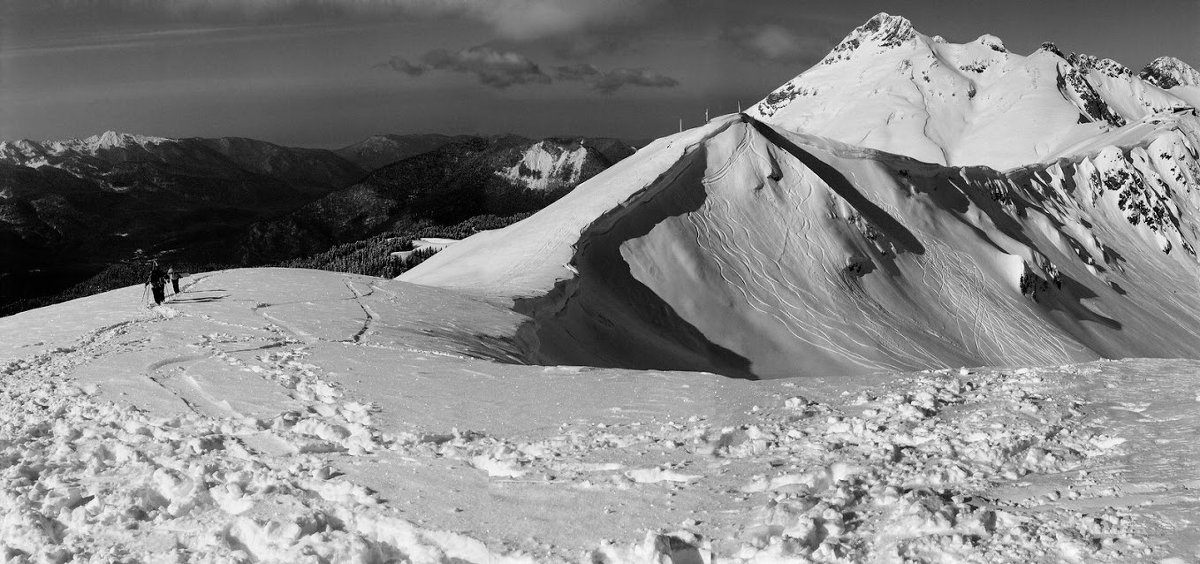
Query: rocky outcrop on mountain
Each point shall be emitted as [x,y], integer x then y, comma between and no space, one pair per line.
[883,31]
[1169,72]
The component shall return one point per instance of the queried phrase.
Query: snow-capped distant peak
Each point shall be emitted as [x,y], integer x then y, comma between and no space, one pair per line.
[114,139]
[1169,72]
[883,31]
[21,148]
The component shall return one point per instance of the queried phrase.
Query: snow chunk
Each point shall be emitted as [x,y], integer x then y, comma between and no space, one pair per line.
[655,475]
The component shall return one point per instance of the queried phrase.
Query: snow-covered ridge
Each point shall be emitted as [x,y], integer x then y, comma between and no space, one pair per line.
[544,166]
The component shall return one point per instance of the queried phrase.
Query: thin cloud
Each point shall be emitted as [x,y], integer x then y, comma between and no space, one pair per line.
[520,20]
[494,68]
[500,69]
[581,71]
[525,20]
[777,44]
[611,81]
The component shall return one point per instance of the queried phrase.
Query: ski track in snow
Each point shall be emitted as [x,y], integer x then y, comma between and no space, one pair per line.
[992,465]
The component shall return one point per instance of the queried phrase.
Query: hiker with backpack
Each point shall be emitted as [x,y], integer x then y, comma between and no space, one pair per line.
[157,283]
[174,277]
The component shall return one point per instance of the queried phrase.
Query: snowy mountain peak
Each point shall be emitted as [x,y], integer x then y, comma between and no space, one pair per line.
[114,139]
[1169,72]
[883,27]
[891,88]
[992,42]
[883,31]
[1050,47]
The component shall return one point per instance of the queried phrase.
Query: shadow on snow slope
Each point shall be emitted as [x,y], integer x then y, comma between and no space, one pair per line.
[606,316]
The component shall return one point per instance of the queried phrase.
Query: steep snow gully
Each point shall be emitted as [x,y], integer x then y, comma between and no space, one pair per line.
[748,250]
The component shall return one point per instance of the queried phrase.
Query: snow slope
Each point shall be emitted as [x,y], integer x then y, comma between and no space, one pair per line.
[281,415]
[888,87]
[753,251]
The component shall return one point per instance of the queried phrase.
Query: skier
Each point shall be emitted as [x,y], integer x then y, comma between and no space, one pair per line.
[157,282]
[174,276]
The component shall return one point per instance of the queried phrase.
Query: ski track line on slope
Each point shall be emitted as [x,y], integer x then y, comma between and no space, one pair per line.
[751,281]
[917,354]
[299,333]
[370,314]
[756,256]
[990,326]
[169,382]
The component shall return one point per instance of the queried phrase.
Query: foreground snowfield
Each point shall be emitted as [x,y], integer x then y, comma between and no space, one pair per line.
[304,416]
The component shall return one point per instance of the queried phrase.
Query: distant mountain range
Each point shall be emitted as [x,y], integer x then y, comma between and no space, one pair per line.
[467,177]
[69,207]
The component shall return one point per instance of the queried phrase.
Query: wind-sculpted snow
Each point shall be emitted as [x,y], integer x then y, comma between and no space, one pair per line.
[766,253]
[293,416]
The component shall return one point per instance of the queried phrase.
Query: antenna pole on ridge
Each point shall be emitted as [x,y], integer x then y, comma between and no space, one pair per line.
[681,125]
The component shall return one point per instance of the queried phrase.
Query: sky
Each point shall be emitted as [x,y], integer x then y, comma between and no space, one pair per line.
[328,73]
